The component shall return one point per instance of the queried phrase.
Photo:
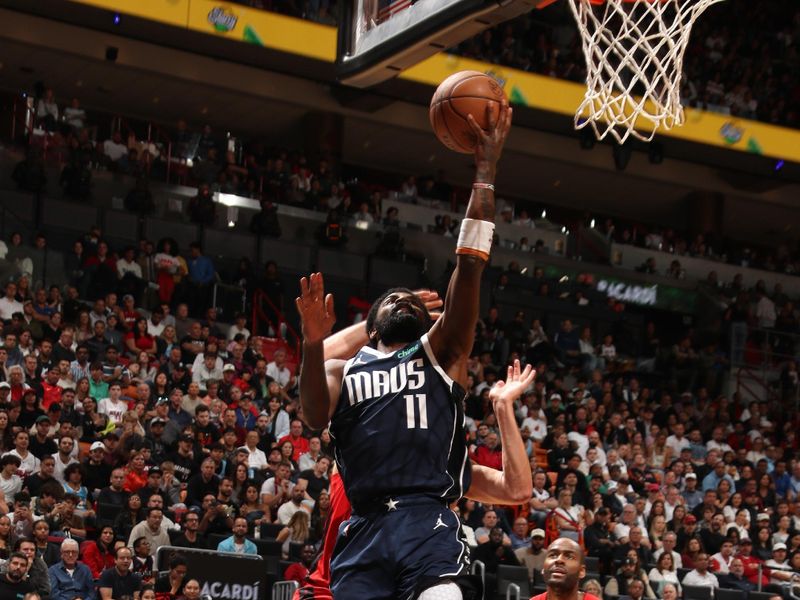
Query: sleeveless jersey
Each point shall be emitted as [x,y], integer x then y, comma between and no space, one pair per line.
[399,426]
[579,596]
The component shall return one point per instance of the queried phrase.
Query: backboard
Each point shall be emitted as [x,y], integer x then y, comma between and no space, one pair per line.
[380,38]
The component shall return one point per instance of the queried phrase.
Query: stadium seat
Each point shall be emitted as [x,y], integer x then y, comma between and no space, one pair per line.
[296,550]
[723,594]
[268,547]
[696,592]
[271,530]
[760,595]
[507,574]
[682,573]
[592,564]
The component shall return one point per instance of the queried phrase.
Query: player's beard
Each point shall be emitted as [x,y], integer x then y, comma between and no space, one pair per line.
[399,328]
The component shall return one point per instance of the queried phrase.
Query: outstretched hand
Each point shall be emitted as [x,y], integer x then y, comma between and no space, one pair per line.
[490,143]
[315,309]
[515,384]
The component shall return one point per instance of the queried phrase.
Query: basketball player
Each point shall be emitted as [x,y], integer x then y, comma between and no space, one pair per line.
[563,570]
[396,415]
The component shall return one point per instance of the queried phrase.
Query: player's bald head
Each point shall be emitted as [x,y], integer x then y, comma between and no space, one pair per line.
[563,543]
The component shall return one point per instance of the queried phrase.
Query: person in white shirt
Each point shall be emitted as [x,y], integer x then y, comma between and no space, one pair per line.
[298,501]
[765,311]
[207,370]
[721,561]
[114,148]
[239,326]
[29,464]
[10,482]
[700,575]
[536,423]
[113,406]
[256,458]
[155,324]
[668,543]
[63,457]
[780,570]
[677,441]
[9,303]
[278,371]
[717,441]
[127,265]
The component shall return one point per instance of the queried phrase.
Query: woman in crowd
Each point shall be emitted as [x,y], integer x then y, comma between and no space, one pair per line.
[138,340]
[135,474]
[297,531]
[45,550]
[7,537]
[191,590]
[664,572]
[83,330]
[735,503]
[676,522]
[93,422]
[145,369]
[287,451]
[251,507]
[319,516]
[278,418]
[762,545]
[658,527]
[128,516]
[693,547]
[240,481]
[159,386]
[6,439]
[73,484]
[99,554]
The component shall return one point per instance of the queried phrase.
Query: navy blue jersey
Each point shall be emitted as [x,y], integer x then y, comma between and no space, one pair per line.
[399,426]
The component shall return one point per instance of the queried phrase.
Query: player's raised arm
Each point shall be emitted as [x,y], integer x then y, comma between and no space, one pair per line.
[513,484]
[320,381]
[453,334]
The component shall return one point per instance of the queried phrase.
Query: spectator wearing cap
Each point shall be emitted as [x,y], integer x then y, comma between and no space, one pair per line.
[246,412]
[751,563]
[207,370]
[170,429]
[41,444]
[692,497]
[780,571]
[627,573]
[184,458]
[5,393]
[533,553]
[96,467]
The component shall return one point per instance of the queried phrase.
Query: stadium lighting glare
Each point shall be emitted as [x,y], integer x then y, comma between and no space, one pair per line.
[779,165]
[544,213]
[362,225]
[591,224]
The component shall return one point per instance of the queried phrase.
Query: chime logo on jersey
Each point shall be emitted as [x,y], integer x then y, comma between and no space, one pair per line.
[366,385]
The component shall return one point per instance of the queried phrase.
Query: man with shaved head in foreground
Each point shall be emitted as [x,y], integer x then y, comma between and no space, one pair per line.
[563,570]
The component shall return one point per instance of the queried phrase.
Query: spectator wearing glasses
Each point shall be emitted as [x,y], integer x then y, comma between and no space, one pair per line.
[70,578]
[191,537]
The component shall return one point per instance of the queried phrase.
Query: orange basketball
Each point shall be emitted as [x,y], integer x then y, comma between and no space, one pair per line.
[461,94]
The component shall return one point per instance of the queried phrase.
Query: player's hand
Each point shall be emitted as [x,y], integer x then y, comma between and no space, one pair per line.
[490,144]
[315,309]
[432,301]
[517,382]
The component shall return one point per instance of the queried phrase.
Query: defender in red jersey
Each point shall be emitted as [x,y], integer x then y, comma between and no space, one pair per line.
[317,584]
[563,570]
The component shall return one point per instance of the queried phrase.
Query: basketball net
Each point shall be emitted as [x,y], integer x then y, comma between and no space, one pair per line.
[634,53]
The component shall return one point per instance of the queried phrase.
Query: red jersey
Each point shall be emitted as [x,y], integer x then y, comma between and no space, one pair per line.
[318,583]
[543,596]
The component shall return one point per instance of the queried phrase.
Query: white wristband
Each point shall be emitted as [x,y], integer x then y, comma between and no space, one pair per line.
[475,238]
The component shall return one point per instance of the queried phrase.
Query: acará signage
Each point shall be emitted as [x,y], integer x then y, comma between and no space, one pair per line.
[636,294]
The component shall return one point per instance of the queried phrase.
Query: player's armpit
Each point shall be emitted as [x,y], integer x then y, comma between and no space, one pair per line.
[345,343]
[489,486]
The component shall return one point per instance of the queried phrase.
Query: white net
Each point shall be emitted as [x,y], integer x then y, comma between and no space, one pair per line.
[634,58]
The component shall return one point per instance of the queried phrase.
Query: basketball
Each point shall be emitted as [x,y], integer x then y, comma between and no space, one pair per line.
[461,94]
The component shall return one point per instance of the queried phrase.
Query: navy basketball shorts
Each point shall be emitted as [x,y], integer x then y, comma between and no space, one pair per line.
[396,548]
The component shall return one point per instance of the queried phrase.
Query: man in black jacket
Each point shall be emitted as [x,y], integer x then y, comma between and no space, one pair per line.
[601,542]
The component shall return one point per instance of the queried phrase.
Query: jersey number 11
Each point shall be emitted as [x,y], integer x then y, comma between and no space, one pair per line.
[414,403]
